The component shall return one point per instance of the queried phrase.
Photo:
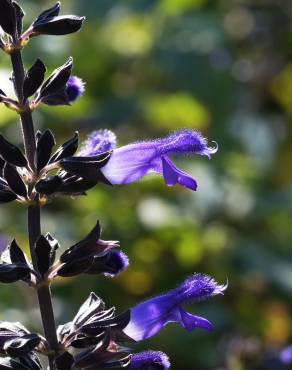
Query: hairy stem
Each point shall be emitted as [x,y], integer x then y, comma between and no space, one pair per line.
[34,223]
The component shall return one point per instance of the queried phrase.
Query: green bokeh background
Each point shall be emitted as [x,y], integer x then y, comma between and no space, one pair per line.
[151,67]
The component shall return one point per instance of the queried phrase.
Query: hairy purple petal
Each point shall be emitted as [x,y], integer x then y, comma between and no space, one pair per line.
[75,87]
[150,361]
[131,162]
[198,287]
[98,142]
[149,317]
[185,142]
[118,261]
[172,175]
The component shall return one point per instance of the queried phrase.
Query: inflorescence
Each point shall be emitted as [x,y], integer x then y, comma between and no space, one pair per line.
[97,337]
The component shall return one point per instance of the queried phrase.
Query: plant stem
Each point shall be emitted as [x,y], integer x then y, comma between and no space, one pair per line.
[26,117]
[34,224]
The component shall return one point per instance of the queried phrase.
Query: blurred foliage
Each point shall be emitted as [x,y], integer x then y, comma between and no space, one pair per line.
[223,67]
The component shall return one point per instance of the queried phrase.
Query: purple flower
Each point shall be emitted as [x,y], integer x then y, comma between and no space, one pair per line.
[116,262]
[131,162]
[74,88]
[149,361]
[285,355]
[98,142]
[149,317]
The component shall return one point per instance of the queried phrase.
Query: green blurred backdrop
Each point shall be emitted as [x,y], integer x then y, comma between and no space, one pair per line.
[152,66]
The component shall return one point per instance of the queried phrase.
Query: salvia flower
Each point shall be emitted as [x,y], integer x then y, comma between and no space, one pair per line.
[98,142]
[131,162]
[116,262]
[90,246]
[75,87]
[149,317]
[150,361]
[92,255]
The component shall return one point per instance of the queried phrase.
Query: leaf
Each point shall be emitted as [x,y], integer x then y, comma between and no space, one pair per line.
[76,251]
[87,167]
[7,363]
[49,13]
[68,149]
[64,361]
[7,17]
[16,254]
[11,153]
[14,180]
[43,250]
[49,185]
[120,321]
[75,268]
[34,78]
[89,308]
[44,148]
[56,81]
[32,361]
[12,272]
[7,196]
[83,341]
[19,14]
[78,186]
[54,246]
[22,345]
[59,25]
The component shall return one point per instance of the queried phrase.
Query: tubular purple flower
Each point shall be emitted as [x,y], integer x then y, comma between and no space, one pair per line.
[133,161]
[150,361]
[149,317]
[75,87]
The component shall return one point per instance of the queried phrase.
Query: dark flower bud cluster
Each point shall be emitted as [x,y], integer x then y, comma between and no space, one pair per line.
[15,265]
[49,22]
[98,332]
[97,338]
[76,175]
[18,347]
[93,256]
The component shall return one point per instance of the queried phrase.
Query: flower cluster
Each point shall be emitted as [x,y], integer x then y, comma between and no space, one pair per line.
[97,337]
[104,338]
